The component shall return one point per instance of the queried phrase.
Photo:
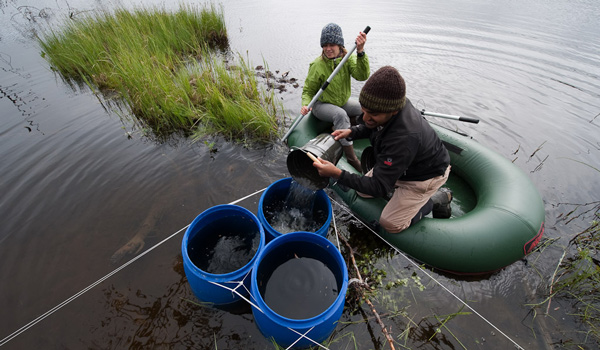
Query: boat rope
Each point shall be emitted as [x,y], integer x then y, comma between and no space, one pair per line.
[429,275]
[241,283]
[304,336]
[234,290]
[336,232]
[88,288]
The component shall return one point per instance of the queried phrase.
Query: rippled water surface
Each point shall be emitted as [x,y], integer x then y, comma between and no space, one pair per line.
[83,192]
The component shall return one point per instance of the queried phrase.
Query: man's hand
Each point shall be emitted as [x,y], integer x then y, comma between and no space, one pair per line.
[327,169]
[341,133]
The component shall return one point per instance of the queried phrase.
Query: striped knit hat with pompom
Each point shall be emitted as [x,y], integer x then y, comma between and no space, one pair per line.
[384,92]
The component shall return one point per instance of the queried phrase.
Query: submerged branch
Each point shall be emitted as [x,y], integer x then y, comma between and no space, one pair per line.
[363,283]
[539,165]
[552,281]
[539,148]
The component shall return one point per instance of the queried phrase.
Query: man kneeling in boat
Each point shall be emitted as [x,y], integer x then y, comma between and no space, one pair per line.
[411,162]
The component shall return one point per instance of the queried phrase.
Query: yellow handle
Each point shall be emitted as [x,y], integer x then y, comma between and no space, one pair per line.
[311,156]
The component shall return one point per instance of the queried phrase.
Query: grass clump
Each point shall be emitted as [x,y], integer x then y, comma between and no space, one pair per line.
[576,279]
[149,59]
[579,278]
[231,102]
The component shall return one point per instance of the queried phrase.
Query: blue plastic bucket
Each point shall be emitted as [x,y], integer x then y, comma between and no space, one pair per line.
[221,229]
[275,195]
[284,328]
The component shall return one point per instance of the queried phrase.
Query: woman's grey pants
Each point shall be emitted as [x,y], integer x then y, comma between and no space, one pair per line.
[339,116]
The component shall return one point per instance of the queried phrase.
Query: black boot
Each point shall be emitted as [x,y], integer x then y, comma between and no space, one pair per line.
[425,209]
[441,203]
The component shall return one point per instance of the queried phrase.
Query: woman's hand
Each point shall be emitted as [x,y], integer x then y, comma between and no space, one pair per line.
[361,40]
[327,169]
[304,110]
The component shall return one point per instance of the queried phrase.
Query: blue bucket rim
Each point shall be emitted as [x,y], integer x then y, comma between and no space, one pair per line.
[289,179]
[288,237]
[226,276]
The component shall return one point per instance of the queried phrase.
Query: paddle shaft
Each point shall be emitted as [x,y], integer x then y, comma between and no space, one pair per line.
[325,85]
[448,116]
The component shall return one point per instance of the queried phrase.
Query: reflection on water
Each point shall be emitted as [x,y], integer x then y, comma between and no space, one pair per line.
[175,319]
[78,183]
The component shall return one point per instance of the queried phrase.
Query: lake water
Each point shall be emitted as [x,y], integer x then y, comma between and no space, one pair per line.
[83,191]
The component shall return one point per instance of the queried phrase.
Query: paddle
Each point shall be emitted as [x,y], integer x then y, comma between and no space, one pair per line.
[448,116]
[314,99]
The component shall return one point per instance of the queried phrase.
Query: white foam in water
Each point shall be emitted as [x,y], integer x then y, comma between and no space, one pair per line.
[296,213]
[231,253]
[302,181]
[224,245]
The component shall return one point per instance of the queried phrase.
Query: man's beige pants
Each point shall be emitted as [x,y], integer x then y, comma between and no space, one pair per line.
[408,198]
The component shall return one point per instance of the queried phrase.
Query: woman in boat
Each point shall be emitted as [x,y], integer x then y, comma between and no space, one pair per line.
[334,105]
[411,162]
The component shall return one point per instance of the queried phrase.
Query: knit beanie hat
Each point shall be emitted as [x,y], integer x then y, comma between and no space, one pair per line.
[332,34]
[384,92]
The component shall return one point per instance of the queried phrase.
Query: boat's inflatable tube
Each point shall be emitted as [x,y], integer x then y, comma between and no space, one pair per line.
[505,222]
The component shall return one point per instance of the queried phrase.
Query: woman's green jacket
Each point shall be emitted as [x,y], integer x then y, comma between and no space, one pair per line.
[338,91]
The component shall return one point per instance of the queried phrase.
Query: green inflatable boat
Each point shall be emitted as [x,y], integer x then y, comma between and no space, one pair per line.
[497,213]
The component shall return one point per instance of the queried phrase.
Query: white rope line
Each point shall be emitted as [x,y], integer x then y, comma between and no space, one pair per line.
[88,288]
[234,290]
[336,231]
[40,318]
[83,291]
[429,275]
[304,336]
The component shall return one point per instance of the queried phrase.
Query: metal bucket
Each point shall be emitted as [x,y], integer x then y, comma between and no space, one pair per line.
[301,166]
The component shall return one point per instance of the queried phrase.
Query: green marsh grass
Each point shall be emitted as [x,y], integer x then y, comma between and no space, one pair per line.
[227,92]
[576,280]
[166,68]
[579,277]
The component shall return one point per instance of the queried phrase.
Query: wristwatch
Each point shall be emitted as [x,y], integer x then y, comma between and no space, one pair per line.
[360,54]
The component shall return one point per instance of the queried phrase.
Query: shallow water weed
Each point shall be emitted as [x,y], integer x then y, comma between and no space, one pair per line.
[580,278]
[576,279]
[144,57]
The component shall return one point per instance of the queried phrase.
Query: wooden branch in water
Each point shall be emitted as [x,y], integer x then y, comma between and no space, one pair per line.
[387,335]
[539,165]
[351,252]
[552,282]
[518,148]
[539,148]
